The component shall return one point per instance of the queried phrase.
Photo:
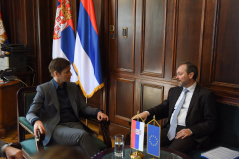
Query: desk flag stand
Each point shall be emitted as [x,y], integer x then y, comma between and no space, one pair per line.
[137,138]
[153,138]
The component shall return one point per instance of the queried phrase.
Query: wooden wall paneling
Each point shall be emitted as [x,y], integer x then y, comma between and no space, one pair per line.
[226,44]
[31,41]
[118,129]
[189,32]
[75,4]
[170,39]
[153,46]
[138,36]
[224,81]
[45,32]
[208,41]
[121,100]
[20,22]
[112,35]
[151,95]
[125,13]
[105,56]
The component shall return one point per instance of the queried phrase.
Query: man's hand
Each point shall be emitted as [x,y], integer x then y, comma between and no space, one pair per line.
[143,115]
[38,125]
[102,116]
[13,153]
[183,133]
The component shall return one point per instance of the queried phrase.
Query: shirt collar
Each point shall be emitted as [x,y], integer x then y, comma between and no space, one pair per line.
[56,84]
[192,87]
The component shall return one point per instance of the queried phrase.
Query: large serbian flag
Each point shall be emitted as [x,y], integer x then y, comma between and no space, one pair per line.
[64,35]
[137,135]
[87,53]
[3,34]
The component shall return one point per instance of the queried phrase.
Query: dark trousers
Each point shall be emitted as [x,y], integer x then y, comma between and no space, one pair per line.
[183,145]
[73,133]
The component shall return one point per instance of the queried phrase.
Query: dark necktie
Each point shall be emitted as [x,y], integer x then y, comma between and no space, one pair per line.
[174,121]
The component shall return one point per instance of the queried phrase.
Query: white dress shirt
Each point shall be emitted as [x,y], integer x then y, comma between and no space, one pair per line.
[183,112]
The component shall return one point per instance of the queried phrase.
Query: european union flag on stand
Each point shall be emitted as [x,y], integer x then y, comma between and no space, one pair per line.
[153,140]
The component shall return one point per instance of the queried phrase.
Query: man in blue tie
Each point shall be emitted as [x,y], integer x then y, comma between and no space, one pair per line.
[190,110]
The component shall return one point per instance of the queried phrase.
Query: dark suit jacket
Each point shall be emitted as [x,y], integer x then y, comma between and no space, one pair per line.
[201,115]
[46,107]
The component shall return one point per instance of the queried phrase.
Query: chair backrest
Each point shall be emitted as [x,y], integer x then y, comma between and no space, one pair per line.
[227,131]
[25,97]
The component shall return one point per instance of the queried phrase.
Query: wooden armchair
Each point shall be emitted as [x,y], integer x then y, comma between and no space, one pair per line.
[34,145]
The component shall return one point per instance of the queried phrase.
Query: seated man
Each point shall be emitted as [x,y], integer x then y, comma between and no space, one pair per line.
[57,107]
[9,151]
[190,110]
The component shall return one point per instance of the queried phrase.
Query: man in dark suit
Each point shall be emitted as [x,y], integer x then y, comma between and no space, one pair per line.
[190,125]
[57,107]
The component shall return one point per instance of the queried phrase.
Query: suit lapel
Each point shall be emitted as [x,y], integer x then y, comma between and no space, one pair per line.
[53,92]
[194,98]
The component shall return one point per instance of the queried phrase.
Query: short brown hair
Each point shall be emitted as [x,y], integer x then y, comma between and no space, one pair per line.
[191,67]
[58,64]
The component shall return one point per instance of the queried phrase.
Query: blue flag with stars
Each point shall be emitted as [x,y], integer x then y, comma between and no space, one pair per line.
[153,140]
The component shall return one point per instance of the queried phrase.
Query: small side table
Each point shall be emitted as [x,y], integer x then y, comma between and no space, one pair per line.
[8,105]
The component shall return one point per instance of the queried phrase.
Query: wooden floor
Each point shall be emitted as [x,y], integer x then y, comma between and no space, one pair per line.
[11,133]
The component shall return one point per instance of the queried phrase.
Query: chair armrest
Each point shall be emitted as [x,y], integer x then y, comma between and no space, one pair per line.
[104,126]
[38,139]
[25,124]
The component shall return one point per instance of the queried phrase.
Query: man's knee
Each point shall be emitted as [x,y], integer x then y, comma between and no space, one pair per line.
[183,145]
[82,138]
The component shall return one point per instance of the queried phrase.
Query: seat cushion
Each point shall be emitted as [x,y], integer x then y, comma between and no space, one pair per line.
[29,146]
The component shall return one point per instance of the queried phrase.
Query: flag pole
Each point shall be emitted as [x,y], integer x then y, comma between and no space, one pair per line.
[86,121]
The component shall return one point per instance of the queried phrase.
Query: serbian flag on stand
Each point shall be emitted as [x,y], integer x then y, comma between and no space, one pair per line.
[137,135]
[87,53]
[3,35]
[64,35]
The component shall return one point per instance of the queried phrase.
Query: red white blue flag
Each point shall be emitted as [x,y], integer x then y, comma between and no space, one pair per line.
[137,135]
[87,53]
[3,34]
[64,35]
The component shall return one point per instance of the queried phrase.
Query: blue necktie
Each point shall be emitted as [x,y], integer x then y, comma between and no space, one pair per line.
[174,120]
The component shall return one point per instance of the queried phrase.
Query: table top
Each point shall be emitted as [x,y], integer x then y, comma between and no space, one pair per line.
[9,83]
[164,153]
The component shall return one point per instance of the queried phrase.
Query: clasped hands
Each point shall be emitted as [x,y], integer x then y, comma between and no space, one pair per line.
[183,133]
